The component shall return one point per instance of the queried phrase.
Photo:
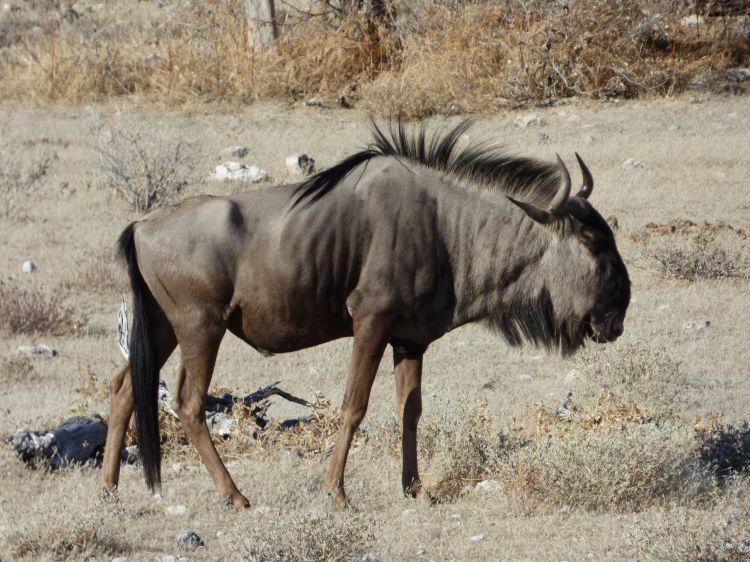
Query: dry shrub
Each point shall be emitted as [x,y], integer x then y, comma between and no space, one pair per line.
[52,535]
[315,537]
[35,311]
[725,449]
[721,535]
[629,467]
[146,170]
[700,259]
[434,57]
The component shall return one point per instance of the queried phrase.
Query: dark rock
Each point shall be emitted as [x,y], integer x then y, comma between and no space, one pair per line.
[76,441]
[189,540]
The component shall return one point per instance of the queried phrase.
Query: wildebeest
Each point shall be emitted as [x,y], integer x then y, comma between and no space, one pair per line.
[396,244]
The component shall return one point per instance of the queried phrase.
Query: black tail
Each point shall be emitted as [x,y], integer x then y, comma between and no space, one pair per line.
[144,371]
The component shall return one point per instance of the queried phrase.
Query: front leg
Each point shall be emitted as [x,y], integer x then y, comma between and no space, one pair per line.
[408,367]
[369,344]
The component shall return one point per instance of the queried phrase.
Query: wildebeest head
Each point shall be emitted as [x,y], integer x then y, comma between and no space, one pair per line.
[586,282]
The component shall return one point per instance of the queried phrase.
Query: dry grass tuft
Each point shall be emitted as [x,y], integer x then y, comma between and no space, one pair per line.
[35,311]
[54,536]
[435,57]
[722,535]
[699,260]
[315,537]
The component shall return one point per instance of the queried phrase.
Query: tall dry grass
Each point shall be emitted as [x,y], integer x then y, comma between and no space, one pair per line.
[435,57]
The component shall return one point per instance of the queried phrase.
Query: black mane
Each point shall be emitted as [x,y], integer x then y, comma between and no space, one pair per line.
[482,164]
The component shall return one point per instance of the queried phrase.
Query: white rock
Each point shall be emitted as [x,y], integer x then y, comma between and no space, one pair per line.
[632,163]
[300,164]
[488,487]
[238,171]
[120,559]
[698,324]
[477,538]
[44,350]
[313,102]
[528,120]
[408,512]
[693,19]
[29,266]
[176,510]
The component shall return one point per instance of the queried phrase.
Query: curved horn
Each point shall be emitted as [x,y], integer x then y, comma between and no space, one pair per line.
[588,180]
[558,203]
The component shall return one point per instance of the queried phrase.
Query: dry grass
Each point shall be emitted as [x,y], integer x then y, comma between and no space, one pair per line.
[33,310]
[438,57]
[98,273]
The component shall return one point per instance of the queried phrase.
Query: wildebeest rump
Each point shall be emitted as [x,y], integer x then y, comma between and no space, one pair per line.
[397,244]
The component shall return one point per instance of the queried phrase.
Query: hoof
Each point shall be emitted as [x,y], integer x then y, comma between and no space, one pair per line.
[237,501]
[108,495]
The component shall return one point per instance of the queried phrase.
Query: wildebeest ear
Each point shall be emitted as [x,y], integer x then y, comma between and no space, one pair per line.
[539,215]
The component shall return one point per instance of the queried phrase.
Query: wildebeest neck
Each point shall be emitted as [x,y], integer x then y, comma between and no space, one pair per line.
[495,255]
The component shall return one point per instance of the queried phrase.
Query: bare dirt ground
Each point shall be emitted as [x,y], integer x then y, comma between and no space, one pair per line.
[694,160]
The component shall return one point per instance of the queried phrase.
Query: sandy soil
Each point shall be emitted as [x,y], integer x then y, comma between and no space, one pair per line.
[695,157]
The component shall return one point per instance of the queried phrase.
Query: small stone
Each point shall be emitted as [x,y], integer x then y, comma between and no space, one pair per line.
[739,74]
[43,350]
[698,324]
[369,557]
[120,559]
[632,163]
[29,266]
[174,558]
[477,538]
[488,487]
[238,151]
[300,164]
[313,102]
[189,540]
[408,512]
[528,120]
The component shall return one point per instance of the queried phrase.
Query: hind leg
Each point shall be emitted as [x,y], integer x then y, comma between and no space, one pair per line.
[409,408]
[121,403]
[198,359]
